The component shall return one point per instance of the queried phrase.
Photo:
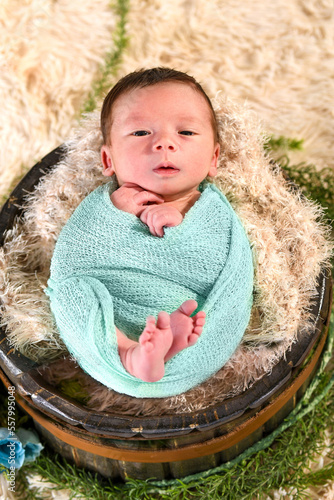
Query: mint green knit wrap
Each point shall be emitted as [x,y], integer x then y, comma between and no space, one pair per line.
[107,269]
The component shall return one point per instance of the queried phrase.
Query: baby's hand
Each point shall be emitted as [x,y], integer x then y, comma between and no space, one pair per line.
[134,199]
[159,216]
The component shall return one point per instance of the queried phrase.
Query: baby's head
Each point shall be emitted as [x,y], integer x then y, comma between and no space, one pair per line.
[158,124]
[145,78]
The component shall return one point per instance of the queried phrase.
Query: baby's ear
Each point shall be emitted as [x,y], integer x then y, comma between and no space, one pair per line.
[108,169]
[214,162]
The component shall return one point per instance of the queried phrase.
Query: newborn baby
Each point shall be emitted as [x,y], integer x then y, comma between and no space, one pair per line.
[151,278]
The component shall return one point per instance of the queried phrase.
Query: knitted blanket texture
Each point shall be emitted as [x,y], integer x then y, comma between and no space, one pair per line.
[107,270]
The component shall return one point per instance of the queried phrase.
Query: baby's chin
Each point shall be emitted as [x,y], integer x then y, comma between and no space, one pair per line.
[169,187]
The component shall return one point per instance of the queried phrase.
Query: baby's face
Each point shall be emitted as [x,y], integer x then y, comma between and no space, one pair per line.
[161,139]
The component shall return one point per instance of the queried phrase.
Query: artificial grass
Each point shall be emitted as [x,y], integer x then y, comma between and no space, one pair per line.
[112,60]
[317,185]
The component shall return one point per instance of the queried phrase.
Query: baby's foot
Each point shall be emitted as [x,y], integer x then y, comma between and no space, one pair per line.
[186,330]
[146,359]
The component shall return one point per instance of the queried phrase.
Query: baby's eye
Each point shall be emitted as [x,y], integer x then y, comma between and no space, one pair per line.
[186,132]
[140,133]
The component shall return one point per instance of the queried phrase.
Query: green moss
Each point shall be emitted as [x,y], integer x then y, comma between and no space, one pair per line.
[283,143]
[316,184]
[112,59]
[74,390]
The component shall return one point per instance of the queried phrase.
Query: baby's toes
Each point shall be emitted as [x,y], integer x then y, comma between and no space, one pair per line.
[163,321]
[145,340]
[197,329]
[198,323]
[192,339]
[200,315]
[149,330]
[150,323]
[188,307]
[146,336]
[199,319]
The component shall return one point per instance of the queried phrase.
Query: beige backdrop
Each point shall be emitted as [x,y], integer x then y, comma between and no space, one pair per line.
[277,56]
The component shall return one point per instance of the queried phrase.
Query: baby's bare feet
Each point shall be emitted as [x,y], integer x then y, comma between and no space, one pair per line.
[160,341]
[186,330]
[146,359]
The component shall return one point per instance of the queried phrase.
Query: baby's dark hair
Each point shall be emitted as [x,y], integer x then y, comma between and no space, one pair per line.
[145,78]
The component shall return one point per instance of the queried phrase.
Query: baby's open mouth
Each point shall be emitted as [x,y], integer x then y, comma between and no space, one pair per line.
[166,168]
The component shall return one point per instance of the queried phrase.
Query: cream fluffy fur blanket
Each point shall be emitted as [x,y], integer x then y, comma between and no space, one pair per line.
[290,247]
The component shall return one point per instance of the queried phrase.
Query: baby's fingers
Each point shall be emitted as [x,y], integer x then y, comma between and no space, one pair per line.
[145,214]
[148,217]
[144,197]
[156,222]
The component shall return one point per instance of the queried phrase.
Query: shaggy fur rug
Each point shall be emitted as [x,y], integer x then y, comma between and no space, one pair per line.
[50,54]
[278,58]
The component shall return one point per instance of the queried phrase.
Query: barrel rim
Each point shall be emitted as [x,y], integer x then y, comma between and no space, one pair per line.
[187,451]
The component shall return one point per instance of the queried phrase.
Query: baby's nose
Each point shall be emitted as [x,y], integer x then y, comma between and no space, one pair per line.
[165,143]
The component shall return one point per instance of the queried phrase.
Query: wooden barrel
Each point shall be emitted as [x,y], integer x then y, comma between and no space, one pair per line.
[170,446]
